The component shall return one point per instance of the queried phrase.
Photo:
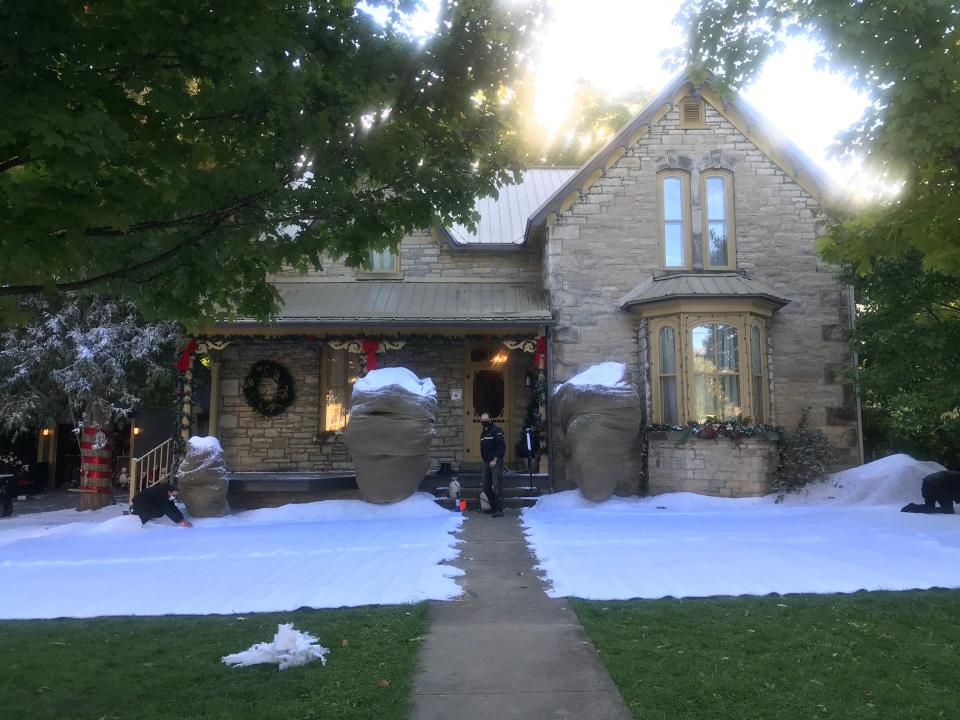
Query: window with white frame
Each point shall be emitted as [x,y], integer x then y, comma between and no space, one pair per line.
[708,366]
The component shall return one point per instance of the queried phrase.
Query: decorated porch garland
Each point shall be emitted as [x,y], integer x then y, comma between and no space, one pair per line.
[280,400]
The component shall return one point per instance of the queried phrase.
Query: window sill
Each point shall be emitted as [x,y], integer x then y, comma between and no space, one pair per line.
[379,276]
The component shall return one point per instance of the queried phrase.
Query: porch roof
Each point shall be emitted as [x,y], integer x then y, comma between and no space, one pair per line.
[699,285]
[371,302]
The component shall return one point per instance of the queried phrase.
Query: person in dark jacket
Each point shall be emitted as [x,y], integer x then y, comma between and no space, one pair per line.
[492,448]
[156,501]
[941,488]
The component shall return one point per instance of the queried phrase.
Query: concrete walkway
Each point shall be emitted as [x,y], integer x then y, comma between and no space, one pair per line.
[504,650]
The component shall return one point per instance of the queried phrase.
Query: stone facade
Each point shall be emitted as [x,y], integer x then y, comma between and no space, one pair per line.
[608,242]
[709,467]
[294,442]
[424,257]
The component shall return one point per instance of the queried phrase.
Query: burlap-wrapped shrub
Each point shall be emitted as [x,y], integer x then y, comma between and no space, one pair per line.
[202,478]
[599,417]
[393,416]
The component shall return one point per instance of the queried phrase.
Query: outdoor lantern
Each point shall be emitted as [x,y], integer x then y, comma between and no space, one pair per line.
[135,430]
[46,432]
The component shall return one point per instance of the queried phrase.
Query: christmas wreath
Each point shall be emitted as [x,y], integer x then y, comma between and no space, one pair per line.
[281,399]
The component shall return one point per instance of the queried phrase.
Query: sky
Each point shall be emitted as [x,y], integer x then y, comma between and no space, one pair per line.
[617,46]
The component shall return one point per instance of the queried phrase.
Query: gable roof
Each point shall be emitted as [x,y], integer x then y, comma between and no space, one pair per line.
[503,219]
[741,114]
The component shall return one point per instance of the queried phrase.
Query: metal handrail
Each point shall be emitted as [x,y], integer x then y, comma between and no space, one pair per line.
[151,468]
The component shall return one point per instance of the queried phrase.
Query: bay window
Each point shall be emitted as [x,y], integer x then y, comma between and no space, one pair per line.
[708,366]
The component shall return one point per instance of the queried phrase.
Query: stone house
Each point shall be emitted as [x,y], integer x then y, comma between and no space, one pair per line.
[684,248]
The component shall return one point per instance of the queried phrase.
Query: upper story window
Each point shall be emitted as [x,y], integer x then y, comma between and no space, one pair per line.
[385,260]
[717,201]
[675,219]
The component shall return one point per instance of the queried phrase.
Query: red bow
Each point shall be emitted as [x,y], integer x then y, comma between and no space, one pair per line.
[540,352]
[370,348]
[183,363]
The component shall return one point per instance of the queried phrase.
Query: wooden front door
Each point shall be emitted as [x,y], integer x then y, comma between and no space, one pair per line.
[487,391]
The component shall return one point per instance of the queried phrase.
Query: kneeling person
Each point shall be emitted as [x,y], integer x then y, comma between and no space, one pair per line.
[156,501]
[941,488]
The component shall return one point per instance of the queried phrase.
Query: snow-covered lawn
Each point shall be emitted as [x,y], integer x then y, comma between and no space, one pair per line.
[324,554]
[843,535]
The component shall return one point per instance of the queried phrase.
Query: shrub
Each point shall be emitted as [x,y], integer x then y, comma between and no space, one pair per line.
[805,454]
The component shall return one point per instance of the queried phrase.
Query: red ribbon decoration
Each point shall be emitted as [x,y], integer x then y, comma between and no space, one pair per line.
[183,363]
[540,352]
[370,348]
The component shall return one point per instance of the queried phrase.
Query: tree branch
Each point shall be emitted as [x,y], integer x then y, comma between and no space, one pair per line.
[15,161]
[7,290]
[216,215]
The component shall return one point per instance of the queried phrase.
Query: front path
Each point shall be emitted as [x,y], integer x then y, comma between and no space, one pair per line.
[505,650]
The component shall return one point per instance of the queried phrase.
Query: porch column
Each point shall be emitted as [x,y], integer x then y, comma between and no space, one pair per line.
[214,428]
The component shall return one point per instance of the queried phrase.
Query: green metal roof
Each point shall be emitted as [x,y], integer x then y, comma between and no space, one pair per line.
[699,285]
[375,302]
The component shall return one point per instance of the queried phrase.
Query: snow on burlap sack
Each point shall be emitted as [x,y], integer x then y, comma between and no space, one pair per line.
[202,478]
[290,648]
[393,416]
[599,418]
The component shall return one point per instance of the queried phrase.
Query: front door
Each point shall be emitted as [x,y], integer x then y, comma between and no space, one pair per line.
[487,391]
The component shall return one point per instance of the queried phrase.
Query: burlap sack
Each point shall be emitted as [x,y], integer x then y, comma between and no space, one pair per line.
[389,436]
[202,479]
[599,424]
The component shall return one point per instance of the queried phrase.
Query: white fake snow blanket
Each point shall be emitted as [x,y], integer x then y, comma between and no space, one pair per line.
[325,554]
[843,535]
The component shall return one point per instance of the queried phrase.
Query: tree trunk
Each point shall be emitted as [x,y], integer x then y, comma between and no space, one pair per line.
[96,452]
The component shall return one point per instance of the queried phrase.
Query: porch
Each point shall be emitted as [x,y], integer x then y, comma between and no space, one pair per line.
[480,343]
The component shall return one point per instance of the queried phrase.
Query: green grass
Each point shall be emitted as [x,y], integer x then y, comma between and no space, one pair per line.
[865,656]
[129,668]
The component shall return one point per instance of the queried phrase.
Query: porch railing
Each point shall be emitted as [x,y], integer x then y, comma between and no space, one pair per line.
[154,467]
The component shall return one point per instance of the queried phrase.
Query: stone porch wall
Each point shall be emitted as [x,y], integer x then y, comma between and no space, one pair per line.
[291,441]
[706,467]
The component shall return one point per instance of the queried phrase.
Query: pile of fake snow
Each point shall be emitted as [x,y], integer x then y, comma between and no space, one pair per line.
[381,378]
[290,648]
[605,374]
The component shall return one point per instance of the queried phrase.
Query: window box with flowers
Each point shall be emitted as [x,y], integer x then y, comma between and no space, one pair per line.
[722,458]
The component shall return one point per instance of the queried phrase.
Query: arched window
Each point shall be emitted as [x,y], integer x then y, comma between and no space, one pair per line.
[675,219]
[716,371]
[667,371]
[719,248]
